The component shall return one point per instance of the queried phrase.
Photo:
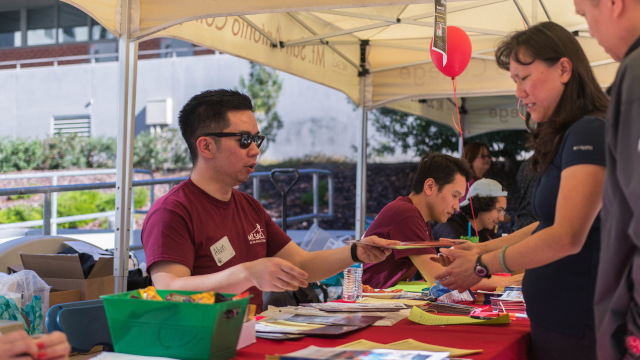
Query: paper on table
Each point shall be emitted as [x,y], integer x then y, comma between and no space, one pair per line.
[391,301]
[411,286]
[408,344]
[390,317]
[284,324]
[410,244]
[336,305]
[117,356]
[424,318]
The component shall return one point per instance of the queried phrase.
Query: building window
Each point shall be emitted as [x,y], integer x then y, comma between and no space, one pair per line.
[10,34]
[76,124]
[73,25]
[98,32]
[41,26]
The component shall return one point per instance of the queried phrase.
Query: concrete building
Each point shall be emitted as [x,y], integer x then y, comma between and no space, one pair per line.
[40,99]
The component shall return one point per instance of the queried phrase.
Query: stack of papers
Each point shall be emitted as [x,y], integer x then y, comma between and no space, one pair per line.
[425,318]
[408,344]
[355,307]
[319,353]
[510,301]
[314,325]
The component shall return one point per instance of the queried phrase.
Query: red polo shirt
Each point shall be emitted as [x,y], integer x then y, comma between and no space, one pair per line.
[399,220]
[183,226]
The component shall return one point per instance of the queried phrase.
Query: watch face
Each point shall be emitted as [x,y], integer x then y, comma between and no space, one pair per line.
[481,271]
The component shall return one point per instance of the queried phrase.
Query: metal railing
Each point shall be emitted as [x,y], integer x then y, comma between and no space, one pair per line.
[54,175]
[92,57]
[50,193]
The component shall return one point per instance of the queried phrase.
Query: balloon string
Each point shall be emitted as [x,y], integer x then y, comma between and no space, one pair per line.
[458,126]
[523,118]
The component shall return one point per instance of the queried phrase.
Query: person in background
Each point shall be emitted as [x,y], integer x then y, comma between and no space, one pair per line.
[20,346]
[489,203]
[560,253]
[616,26]
[478,156]
[526,181]
[439,183]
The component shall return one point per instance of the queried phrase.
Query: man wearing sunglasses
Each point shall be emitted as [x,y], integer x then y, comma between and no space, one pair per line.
[206,236]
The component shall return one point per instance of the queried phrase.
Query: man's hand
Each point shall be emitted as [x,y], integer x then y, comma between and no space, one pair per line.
[53,346]
[275,274]
[460,274]
[372,254]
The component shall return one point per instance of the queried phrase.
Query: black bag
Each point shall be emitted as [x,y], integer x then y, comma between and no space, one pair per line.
[293,298]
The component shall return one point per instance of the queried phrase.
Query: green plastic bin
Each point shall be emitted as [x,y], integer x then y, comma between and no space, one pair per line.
[174,330]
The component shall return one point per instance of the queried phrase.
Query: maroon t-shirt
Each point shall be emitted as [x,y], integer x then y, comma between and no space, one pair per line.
[399,220]
[183,225]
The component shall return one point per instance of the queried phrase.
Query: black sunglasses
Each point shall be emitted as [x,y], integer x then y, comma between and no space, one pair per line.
[245,141]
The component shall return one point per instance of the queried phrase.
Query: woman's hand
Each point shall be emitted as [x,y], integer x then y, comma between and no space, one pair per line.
[460,274]
[53,346]
[20,346]
[465,245]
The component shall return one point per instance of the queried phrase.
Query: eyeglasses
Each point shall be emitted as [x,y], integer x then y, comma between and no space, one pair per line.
[245,141]
[502,212]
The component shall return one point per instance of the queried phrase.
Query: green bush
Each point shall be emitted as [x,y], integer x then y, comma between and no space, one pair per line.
[74,203]
[160,150]
[323,187]
[20,213]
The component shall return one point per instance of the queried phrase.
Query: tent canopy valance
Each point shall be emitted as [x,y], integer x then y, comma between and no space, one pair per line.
[330,43]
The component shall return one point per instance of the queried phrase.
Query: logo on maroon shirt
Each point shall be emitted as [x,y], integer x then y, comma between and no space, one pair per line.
[256,235]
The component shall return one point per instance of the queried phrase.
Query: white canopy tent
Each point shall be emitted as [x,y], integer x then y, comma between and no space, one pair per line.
[376,52]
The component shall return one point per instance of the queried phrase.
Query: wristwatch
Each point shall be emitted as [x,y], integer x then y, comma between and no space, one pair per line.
[481,270]
[354,254]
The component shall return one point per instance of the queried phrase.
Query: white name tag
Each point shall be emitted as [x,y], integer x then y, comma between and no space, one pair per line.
[222,251]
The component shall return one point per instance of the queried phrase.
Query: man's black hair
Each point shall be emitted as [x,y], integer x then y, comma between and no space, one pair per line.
[207,112]
[480,204]
[442,169]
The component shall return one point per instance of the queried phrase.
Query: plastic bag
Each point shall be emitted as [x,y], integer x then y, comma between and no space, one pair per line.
[443,294]
[24,292]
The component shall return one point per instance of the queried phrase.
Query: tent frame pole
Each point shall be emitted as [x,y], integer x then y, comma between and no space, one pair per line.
[361,167]
[127,63]
[361,171]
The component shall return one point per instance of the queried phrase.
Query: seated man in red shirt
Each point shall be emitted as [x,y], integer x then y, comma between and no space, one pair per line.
[206,236]
[439,183]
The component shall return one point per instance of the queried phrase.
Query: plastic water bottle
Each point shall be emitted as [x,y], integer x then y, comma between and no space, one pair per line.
[352,285]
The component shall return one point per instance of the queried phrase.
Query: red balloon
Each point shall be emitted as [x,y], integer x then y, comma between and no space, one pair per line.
[458,52]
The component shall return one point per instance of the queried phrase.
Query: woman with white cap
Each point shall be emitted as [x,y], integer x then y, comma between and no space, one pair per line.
[489,201]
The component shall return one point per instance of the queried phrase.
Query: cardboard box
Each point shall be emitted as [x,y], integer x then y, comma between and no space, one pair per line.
[9,326]
[64,272]
[63,296]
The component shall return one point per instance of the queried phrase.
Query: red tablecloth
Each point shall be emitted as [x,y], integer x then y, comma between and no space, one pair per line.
[509,341]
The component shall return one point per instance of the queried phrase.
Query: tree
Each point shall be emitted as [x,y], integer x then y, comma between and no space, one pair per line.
[422,135]
[264,87]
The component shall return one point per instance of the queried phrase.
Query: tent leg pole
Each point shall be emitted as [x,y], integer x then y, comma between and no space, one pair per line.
[361,173]
[127,59]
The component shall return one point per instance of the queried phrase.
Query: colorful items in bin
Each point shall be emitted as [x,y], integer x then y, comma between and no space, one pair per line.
[208,297]
[442,294]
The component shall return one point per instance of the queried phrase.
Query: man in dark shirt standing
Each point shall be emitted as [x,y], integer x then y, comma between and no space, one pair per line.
[616,25]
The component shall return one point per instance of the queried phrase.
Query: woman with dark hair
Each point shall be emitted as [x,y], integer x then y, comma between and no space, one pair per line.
[561,251]
[489,203]
[479,158]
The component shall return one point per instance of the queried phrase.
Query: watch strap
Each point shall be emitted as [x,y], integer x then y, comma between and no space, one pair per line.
[354,254]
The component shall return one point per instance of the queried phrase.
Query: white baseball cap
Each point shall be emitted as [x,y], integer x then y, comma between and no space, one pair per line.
[484,188]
